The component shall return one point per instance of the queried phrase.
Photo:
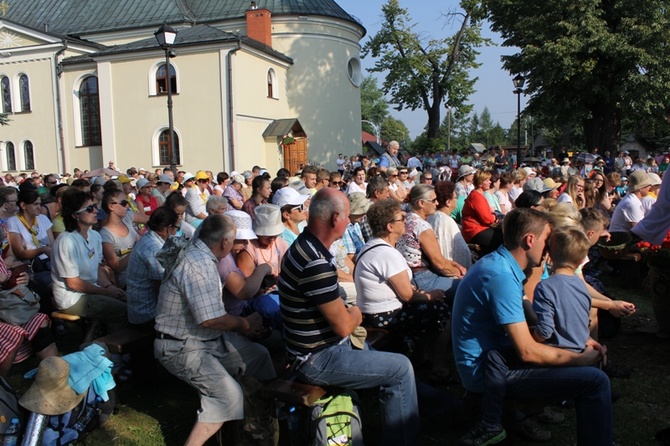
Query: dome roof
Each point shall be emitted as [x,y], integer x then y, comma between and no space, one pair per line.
[80,17]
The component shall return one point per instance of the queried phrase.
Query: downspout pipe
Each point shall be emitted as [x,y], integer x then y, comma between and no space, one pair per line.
[60,138]
[231,108]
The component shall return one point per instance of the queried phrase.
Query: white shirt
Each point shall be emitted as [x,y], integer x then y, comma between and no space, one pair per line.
[353,187]
[628,211]
[373,293]
[449,237]
[74,256]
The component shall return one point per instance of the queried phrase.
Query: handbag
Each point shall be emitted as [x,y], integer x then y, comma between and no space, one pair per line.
[39,265]
[18,305]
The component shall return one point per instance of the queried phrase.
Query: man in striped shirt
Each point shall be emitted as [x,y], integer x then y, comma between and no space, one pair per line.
[317,324]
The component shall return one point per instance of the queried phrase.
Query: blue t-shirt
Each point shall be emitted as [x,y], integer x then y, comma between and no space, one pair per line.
[562,305]
[489,297]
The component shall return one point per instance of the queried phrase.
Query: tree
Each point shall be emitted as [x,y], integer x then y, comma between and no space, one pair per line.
[588,63]
[4,119]
[374,107]
[394,130]
[425,74]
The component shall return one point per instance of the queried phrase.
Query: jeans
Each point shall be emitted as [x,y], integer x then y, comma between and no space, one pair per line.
[589,387]
[343,366]
[428,280]
[267,306]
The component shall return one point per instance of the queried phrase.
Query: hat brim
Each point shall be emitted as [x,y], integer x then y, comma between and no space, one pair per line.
[642,185]
[269,231]
[52,402]
[245,234]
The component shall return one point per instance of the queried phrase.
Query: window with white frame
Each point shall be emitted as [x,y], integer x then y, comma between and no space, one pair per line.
[89,105]
[28,156]
[24,92]
[10,156]
[6,91]
[273,89]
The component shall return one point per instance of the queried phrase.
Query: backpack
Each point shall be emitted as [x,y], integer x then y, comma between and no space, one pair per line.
[76,424]
[9,408]
[336,420]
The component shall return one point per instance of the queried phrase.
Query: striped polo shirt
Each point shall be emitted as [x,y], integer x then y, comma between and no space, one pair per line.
[308,278]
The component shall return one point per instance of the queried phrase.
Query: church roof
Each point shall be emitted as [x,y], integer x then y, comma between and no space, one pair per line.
[79,17]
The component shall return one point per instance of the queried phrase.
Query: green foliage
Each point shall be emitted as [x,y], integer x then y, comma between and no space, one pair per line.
[374,107]
[588,64]
[4,119]
[393,129]
[421,73]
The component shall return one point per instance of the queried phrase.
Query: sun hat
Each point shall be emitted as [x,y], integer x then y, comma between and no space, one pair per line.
[565,161]
[638,180]
[465,170]
[124,179]
[243,224]
[267,221]
[288,196]
[237,178]
[551,184]
[187,176]
[165,178]
[142,182]
[536,184]
[529,171]
[655,179]
[359,203]
[201,175]
[51,394]
[247,174]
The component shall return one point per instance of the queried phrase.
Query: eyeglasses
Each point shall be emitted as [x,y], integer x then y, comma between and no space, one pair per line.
[91,209]
[339,183]
[402,219]
[393,175]
[123,203]
[298,208]
[403,173]
[427,178]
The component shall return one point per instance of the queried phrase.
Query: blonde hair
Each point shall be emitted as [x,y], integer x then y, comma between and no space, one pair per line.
[564,215]
[568,247]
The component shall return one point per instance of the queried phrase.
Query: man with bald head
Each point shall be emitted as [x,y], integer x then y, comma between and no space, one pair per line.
[317,324]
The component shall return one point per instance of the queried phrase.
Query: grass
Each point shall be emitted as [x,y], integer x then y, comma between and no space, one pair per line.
[163,411]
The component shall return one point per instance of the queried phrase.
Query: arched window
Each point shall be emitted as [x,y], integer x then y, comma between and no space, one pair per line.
[162,80]
[273,89]
[6,95]
[89,103]
[24,91]
[28,155]
[164,150]
[11,156]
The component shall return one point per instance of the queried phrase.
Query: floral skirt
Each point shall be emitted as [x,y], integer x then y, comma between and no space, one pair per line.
[421,320]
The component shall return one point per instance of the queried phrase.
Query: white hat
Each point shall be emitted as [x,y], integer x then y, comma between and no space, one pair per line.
[655,179]
[529,171]
[243,223]
[267,220]
[187,176]
[237,178]
[288,196]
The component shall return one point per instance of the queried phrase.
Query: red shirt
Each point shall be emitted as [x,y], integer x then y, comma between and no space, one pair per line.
[477,215]
[149,205]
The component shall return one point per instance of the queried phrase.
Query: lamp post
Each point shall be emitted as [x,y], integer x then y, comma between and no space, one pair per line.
[166,36]
[377,130]
[518,82]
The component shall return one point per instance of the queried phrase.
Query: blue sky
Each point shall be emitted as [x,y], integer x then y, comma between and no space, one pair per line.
[494,87]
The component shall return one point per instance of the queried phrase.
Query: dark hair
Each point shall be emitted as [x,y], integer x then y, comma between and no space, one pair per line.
[356,170]
[96,187]
[6,191]
[521,221]
[27,196]
[257,183]
[376,184]
[444,190]
[380,215]
[175,199]
[109,196]
[111,185]
[221,177]
[507,178]
[80,183]
[308,170]
[73,200]
[283,172]
[162,217]
[278,183]
[53,191]
[528,199]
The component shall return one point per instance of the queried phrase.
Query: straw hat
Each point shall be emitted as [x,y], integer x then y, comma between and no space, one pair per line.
[268,220]
[638,180]
[359,203]
[243,224]
[51,394]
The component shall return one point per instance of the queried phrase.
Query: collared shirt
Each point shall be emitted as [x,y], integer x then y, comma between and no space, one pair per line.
[353,239]
[143,271]
[191,295]
[489,297]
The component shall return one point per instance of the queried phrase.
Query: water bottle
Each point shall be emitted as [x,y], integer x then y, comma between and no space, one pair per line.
[12,433]
[87,416]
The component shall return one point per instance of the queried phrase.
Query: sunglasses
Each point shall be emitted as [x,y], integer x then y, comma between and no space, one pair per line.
[91,209]
[402,219]
[298,208]
[123,203]
[339,183]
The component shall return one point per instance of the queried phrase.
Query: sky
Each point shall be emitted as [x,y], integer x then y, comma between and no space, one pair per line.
[494,88]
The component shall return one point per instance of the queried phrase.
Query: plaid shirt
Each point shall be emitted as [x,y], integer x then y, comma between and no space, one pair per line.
[366,230]
[191,295]
[353,239]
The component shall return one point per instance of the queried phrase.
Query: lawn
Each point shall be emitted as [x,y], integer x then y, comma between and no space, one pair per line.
[163,411]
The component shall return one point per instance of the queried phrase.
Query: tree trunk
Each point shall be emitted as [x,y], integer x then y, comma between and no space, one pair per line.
[434,110]
[603,129]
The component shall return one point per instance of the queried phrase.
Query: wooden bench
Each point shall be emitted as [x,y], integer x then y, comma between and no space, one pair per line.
[288,390]
[90,328]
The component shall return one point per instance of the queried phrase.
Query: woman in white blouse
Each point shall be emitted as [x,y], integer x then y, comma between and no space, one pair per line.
[449,237]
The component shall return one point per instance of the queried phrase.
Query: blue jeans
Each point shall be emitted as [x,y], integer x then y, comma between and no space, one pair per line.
[428,280]
[589,387]
[267,306]
[343,366]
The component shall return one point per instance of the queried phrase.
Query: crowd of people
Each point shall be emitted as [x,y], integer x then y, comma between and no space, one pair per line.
[242,272]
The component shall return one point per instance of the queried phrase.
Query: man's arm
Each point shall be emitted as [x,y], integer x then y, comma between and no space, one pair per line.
[539,354]
[343,320]
[249,325]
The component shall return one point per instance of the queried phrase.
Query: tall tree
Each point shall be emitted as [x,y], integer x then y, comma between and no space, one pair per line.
[394,129]
[374,107]
[588,63]
[425,74]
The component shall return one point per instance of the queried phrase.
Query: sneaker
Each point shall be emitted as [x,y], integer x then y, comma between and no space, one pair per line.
[530,430]
[483,435]
[550,416]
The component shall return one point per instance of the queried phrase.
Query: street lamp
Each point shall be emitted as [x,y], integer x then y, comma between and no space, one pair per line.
[166,36]
[377,129]
[518,82]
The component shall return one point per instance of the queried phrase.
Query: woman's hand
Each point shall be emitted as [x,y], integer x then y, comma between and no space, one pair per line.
[23,279]
[116,293]
[46,250]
